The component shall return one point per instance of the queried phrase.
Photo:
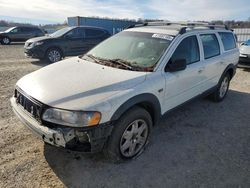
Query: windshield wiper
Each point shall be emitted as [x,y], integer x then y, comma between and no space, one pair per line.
[117,61]
[121,62]
[91,57]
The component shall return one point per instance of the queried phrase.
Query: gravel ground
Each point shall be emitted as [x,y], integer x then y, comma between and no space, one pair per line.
[203,144]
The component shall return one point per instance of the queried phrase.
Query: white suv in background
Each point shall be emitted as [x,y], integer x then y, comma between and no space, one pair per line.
[110,98]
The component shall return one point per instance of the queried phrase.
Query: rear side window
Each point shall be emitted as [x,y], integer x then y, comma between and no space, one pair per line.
[93,33]
[188,49]
[211,45]
[27,30]
[227,40]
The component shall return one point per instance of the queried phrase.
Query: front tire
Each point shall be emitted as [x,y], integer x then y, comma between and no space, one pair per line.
[53,55]
[6,41]
[222,88]
[129,136]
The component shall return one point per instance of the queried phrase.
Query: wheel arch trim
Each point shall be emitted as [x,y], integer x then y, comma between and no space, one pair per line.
[231,68]
[139,100]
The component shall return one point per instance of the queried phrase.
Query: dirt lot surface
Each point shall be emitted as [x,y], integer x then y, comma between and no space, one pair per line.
[203,144]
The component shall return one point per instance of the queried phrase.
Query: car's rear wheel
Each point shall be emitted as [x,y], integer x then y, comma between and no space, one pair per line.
[222,88]
[53,55]
[130,135]
[6,40]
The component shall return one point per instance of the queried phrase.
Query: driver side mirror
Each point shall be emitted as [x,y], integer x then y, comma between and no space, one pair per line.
[177,65]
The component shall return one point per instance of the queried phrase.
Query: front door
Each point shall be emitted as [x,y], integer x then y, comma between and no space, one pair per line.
[16,34]
[74,42]
[183,85]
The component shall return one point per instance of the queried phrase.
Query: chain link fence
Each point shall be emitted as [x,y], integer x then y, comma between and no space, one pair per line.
[242,34]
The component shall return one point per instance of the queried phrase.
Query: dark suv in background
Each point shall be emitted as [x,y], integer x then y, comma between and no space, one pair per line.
[69,41]
[20,33]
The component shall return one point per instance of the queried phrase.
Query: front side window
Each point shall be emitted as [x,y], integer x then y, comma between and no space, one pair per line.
[135,49]
[188,49]
[76,33]
[210,45]
[227,40]
[61,32]
[16,30]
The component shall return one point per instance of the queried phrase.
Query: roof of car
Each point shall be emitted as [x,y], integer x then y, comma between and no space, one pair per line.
[27,26]
[155,29]
[174,29]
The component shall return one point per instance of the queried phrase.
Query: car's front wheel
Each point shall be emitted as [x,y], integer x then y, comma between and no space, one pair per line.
[53,55]
[222,88]
[130,135]
[5,40]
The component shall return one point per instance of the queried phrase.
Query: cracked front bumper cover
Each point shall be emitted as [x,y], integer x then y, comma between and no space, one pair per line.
[67,137]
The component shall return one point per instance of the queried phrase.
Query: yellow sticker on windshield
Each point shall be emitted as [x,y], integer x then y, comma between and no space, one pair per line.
[162,36]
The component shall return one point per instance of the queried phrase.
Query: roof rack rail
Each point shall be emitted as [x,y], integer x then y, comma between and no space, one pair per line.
[183,26]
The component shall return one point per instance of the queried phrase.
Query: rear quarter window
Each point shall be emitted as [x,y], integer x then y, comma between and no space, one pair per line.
[227,40]
[210,45]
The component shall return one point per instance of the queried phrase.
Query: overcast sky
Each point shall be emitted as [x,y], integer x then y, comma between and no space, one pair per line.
[174,10]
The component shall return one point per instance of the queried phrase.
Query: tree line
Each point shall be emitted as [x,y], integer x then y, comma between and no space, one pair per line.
[229,23]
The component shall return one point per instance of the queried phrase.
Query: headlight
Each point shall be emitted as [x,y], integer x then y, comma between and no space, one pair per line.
[38,43]
[71,118]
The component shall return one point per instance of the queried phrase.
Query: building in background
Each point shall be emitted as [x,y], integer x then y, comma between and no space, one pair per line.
[112,25]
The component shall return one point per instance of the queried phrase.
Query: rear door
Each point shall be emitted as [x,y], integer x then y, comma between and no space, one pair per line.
[212,59]
[184,85]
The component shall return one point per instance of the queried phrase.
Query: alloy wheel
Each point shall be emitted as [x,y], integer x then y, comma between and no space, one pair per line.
[54,56]
[224,87]
[134,138]
[6,40]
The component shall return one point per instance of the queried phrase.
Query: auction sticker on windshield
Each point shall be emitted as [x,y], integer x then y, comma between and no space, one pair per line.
[162,36]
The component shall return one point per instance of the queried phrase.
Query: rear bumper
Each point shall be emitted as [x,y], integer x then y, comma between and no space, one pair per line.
[79,139]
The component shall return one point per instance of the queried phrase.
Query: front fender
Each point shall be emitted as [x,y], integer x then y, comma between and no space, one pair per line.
[148,99]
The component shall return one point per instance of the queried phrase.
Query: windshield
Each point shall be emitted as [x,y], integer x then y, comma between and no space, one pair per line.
[61,32]
[136,49]
[8,30]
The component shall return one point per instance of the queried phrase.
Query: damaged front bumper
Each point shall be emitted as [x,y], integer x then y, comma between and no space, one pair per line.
[90,139]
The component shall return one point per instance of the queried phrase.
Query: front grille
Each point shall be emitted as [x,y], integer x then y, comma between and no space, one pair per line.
[29,105]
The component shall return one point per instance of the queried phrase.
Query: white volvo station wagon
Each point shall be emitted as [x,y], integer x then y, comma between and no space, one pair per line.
[110,98]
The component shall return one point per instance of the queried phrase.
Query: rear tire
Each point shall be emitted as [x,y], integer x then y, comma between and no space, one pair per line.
[129,136]
[53,55]
[5,41]
[222,89]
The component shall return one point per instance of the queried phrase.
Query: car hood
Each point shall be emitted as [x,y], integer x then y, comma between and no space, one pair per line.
[77,84]
[36,39]
[245,49]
